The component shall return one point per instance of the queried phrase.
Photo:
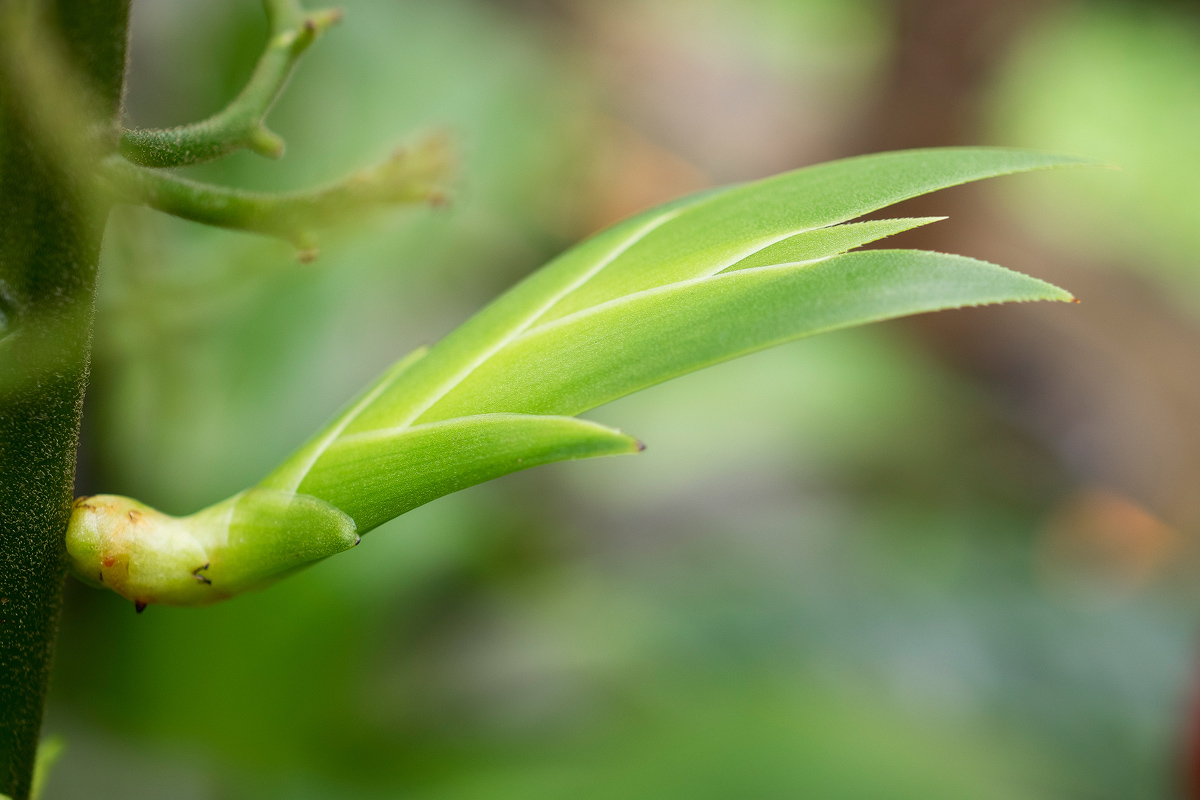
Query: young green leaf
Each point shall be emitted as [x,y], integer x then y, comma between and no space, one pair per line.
[698,281]
[694,238]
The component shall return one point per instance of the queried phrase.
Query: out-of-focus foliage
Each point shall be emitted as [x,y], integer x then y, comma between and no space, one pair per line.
[838,569]
[1121,82]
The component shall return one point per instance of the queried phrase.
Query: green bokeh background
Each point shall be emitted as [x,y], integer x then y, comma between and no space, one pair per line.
[827,576]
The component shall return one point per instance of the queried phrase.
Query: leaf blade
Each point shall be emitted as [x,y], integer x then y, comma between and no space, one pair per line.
[694,237]
[507,317]
[579,362]
[720,231]
[379,475]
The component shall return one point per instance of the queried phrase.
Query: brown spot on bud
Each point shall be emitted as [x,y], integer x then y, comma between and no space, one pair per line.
[140,605]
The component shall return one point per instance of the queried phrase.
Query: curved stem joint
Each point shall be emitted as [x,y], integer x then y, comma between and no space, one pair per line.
[239,125]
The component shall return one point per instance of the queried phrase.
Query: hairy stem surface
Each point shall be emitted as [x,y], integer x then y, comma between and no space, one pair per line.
[407,176]
[50,233]
[240,124]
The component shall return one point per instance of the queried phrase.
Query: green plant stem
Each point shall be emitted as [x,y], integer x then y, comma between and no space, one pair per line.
[50,234]
[240,124]
[408,176]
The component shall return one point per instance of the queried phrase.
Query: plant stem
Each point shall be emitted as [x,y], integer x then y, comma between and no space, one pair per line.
[407,176]
[240,124]
[50,234]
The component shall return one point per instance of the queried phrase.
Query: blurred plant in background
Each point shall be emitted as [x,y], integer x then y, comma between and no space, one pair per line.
[873,574]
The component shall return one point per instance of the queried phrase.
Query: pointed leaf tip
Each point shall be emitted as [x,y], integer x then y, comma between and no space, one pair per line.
[377,475]
[813,245]
[716,231]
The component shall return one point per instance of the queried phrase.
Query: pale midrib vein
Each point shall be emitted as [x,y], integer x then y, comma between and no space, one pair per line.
[846,223]
[758,248]
[723,265]
[667,288]
[719,272]
[519,330]
[402,431]
[720,276]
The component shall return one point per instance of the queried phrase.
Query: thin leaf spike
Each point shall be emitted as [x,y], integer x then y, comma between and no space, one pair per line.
[678,288]
[825,242]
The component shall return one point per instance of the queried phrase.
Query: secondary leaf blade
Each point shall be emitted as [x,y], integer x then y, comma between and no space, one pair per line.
[825,242]
[598,355]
